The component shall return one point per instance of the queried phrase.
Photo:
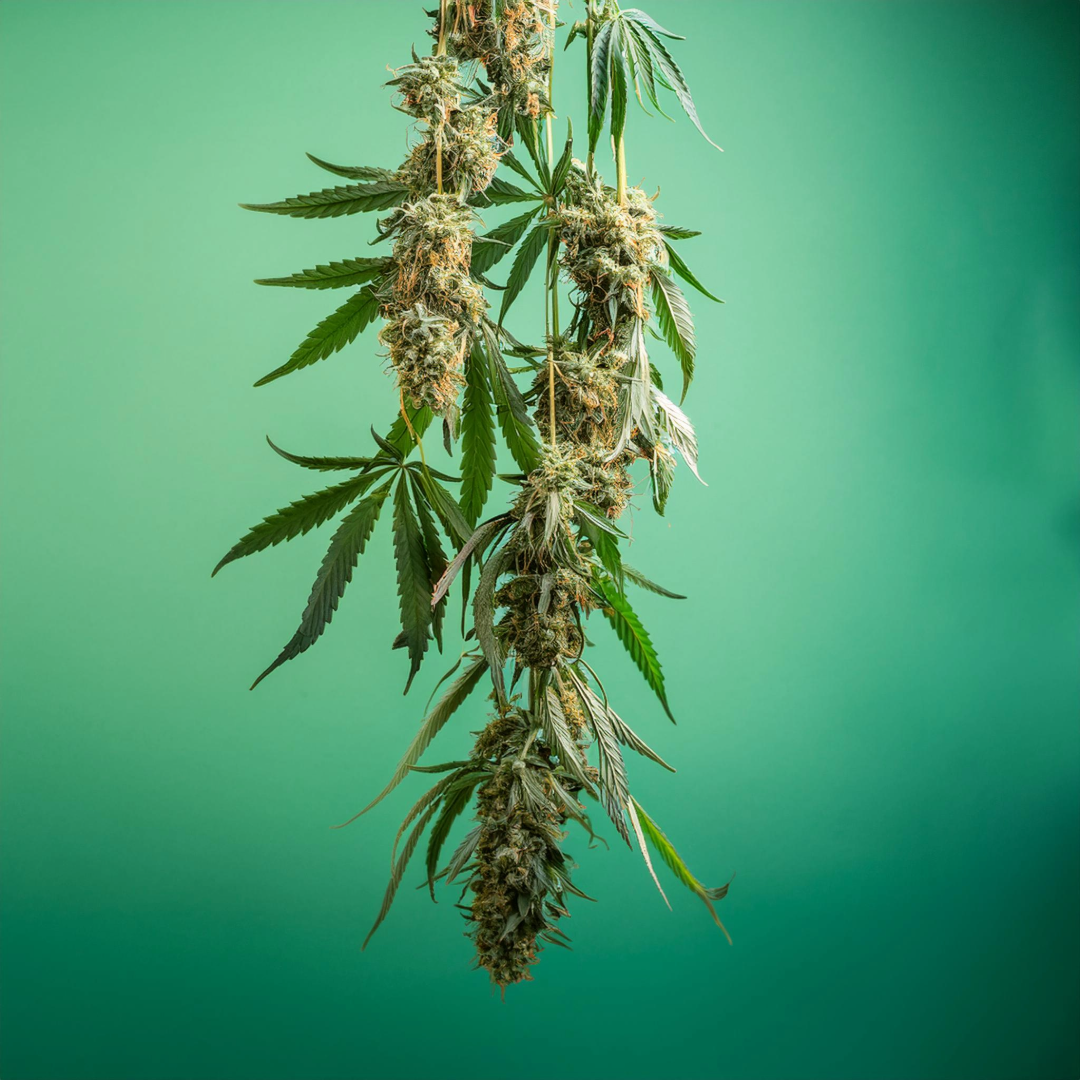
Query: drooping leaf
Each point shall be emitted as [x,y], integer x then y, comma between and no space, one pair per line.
[677,426]
[337,201]
[501,241]
[299,517]
[321,464]
[680,268]
[398,871]
[619,83]
[478,448]
[637,15]
[433,549]
[454,803]
[335,573]
[639,579]
[635,639]
[670,856]
[483,535]
[335,275]
[562,166]
[614,787]
[644,848]
[667,67]
[332,334]
[673,315]
[433,723]
[353,172]
[484,619]
[513,416]
[599,81]
[414,581]
[524,262]
[662,477]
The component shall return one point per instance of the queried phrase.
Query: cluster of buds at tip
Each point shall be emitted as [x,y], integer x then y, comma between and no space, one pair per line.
[513,42]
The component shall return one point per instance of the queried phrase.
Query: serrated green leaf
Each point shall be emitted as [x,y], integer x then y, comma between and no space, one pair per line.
[414,581]
[478,449]
[635,639]
[337,201]
[399,870]
[334,574]
[435,555]
[335,275]
[484,619]
[500,192]
[513,416]
[453,805]
[524,262]
[354,172]
[639,16]
[332,334]
[672,74]
[322,464]
[675,232]
[639,579]
[599,81]
[680,268]
[299,517]
[676,323]
[502,240]
[619,84]
[681,871]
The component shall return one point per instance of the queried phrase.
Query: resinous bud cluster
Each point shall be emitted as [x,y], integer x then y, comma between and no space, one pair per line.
[513,42]
[434,304]
[608,249]
[518,866]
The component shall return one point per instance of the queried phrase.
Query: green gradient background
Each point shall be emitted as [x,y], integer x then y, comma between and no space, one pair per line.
[875,674]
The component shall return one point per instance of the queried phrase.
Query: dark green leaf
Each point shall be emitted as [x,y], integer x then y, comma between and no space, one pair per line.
[299,517]
[453,806]
[635,639]
[399,869]
[335,573]
[436,556]
[354,172]
[524,262]
[513,416]
[599,81]
[478,448]
[483,535]
[639,579]
[337,201]
[680,268]
[335,275]
[414,581]
[619,84]
[500,192]
[322,464]
[674,232]
[333,333]
[484,619]
[503,238]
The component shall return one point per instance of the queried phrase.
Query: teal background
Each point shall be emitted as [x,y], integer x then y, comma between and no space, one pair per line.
[875,674]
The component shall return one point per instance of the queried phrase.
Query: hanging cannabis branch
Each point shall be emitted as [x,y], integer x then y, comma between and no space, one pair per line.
[531,574]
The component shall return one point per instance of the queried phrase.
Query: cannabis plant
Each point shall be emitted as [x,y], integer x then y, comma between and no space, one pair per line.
[590,407]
